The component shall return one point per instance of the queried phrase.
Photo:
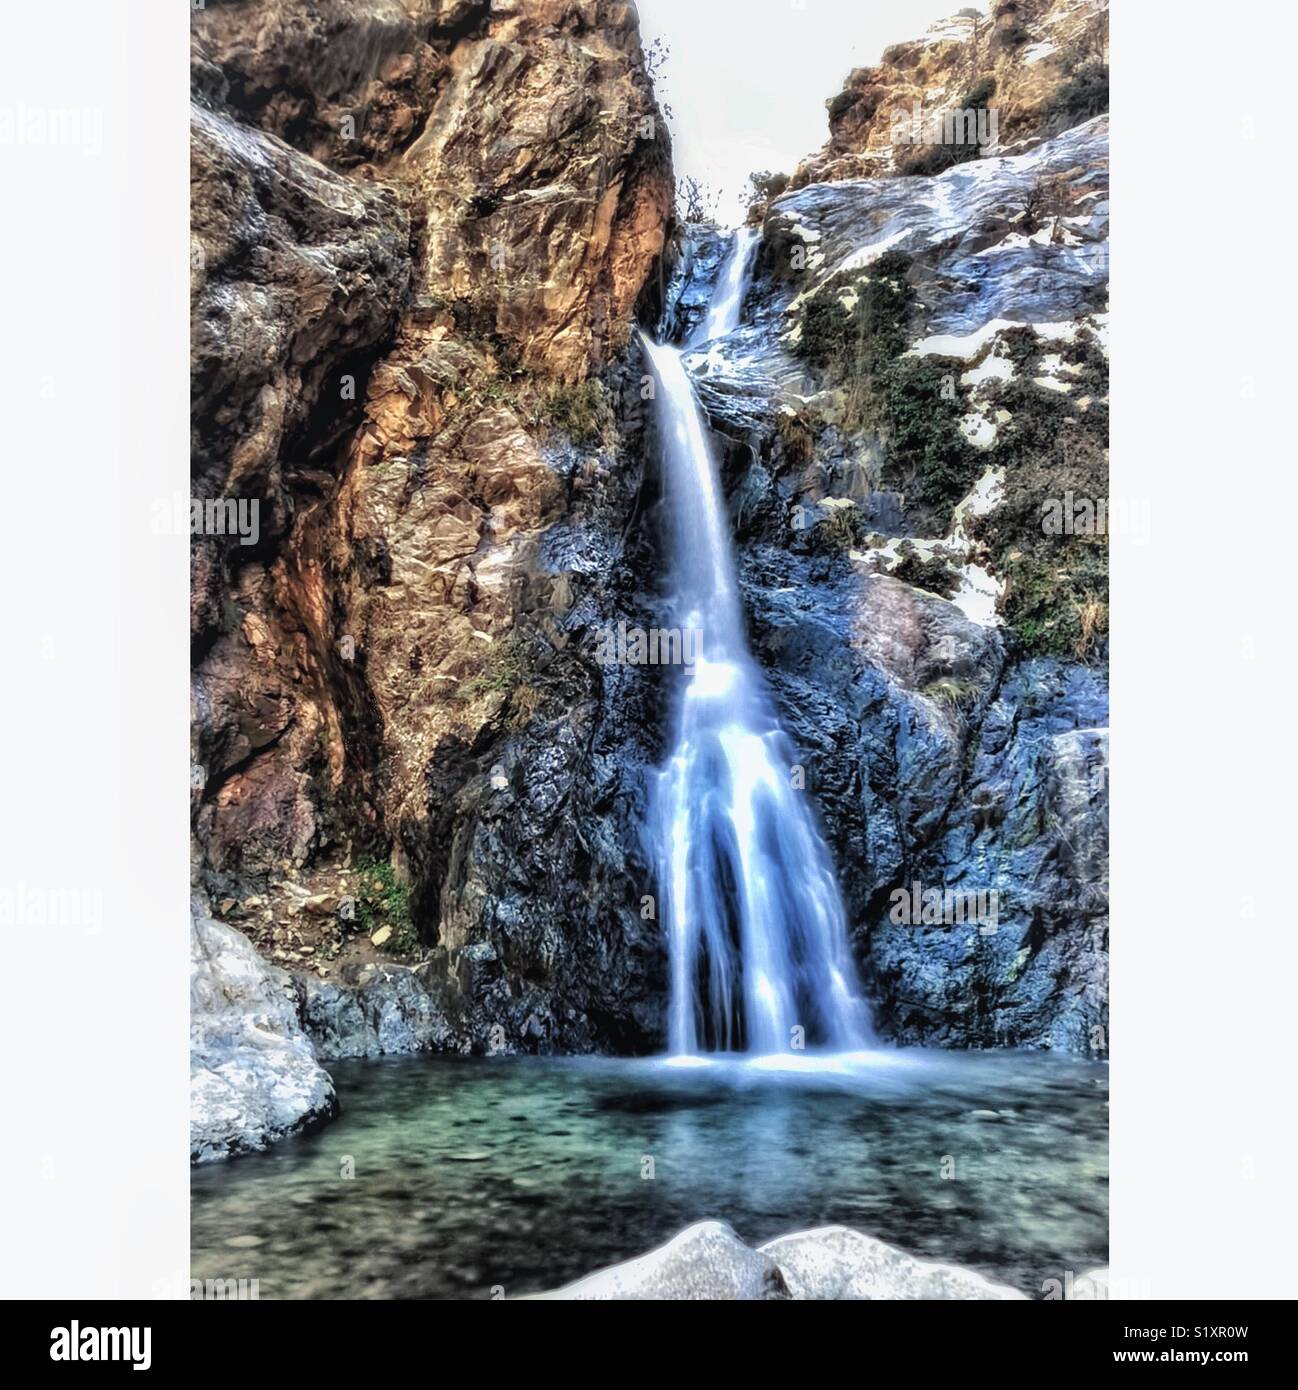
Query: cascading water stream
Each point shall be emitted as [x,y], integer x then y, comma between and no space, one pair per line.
[727,299]
[757,937]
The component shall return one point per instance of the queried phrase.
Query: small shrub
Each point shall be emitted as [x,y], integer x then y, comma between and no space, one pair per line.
[502,672]
[1085,352]
[844,526]
[524,702]
[1008,37]
[951,692]
[1046,201]
[1092,624]
[765,185]
[980,93]
[383,901]
[930,459]
[826,329]
[1051,605]
[797,436]
[932,574]
[1084,95]
[927,160]
[582,412]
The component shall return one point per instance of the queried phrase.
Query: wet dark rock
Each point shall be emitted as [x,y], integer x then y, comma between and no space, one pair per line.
[1031,822]
[695,255]
[373,1011]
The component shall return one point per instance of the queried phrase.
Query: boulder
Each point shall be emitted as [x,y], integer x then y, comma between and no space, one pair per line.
[835,1262]
[253,1077]
[709,1261]
[376,1011]
[705,1261]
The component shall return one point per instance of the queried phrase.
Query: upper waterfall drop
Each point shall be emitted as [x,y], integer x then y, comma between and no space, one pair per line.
[727,300]
[757,936]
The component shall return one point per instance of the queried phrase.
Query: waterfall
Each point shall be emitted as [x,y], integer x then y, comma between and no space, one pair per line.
[756,932]
[728,296]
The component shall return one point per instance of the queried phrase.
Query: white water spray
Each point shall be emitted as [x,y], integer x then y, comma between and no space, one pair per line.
[757,937]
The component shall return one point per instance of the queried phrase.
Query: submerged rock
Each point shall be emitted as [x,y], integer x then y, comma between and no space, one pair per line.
[709,1261]
[253,1077]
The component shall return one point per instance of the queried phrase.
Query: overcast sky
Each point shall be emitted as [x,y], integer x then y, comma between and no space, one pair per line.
[747,80]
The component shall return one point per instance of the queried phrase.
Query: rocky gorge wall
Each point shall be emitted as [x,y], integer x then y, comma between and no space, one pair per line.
[422,233]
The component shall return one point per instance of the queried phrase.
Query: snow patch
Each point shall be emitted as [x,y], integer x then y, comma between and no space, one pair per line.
[991,368]
[867,255]
[985,495]
[978,430]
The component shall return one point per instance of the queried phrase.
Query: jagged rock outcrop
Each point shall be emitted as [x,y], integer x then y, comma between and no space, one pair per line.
[253,1076]
[548,135]
[345,81]
[709,1261]
[298,276]
[1030,822]
[1040,65]
[419,228]
[374,1011]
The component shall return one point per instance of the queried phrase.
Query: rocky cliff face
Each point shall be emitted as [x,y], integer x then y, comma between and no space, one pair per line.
[1041,65]
[420,233]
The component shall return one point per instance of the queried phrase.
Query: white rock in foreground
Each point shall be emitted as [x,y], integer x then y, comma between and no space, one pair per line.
[253,1076]
[709,1261]
[705,1261]
[834,1262]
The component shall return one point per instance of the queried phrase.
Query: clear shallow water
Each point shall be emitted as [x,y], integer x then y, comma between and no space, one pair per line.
[526,1172]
